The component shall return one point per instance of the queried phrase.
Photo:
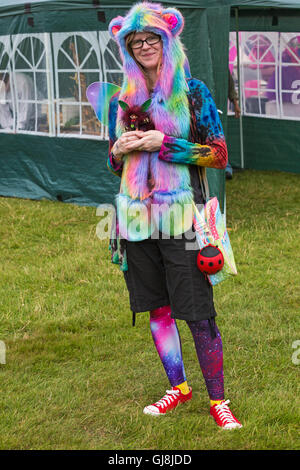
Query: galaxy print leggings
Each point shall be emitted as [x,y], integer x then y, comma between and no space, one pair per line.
[208,345]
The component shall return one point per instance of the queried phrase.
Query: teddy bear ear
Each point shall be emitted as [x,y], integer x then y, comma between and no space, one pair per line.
[174,20]
[115,25]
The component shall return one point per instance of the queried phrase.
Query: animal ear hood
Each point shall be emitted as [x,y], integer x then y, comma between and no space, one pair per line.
[171,87]
[115,25]
[174,20]
[147,16]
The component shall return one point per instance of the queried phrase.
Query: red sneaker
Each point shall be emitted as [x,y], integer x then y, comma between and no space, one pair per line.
[223,416]
[168,402]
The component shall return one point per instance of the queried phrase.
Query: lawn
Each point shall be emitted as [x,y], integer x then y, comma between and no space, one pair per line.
[77,375]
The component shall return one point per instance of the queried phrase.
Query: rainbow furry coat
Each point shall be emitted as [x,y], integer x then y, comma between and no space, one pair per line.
[156,187]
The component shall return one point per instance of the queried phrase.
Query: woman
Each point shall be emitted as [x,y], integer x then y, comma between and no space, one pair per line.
[163,171]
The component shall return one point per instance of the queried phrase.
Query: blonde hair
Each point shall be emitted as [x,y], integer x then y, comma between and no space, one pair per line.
[128,40]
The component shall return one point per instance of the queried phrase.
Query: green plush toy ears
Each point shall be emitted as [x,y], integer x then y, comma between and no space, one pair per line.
[146,105]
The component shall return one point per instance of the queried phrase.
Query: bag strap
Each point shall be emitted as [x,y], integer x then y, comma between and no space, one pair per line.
[203,182]
[201,226]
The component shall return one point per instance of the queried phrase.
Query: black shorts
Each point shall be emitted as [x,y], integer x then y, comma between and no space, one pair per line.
[163,272]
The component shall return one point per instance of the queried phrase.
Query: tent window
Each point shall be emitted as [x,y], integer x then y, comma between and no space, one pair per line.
[269,73]
[81,59]
[43,82]
[6,105]
[30,84]
[77,66]
[113,63]
[26,104]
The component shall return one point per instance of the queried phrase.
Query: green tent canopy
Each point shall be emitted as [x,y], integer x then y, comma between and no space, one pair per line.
[58,43]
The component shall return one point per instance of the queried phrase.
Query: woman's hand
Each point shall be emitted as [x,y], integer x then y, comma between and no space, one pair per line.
[149,141]
[122,145]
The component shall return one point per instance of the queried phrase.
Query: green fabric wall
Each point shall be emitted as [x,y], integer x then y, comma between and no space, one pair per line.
[251,19]
[269,144]
[71,170]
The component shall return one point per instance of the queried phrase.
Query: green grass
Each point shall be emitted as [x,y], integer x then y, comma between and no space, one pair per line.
[77,375]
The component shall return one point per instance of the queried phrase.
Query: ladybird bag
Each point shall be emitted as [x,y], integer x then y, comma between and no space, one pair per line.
[210,229]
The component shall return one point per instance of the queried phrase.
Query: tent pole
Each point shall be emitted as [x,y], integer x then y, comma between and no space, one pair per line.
[239,85]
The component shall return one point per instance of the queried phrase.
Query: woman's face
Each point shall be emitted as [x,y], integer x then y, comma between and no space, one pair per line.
[149,54]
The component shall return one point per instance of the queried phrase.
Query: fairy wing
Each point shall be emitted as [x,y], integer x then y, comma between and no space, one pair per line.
[99,95]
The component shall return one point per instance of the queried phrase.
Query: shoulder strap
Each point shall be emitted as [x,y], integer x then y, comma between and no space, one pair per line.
[195,138]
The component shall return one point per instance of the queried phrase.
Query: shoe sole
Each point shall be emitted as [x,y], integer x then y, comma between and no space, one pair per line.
[239,426]
[229,426]
[146,411]
[152,413]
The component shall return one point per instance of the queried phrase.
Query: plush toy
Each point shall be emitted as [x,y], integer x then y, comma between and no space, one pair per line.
[133,117]
[210,259]
[136,117]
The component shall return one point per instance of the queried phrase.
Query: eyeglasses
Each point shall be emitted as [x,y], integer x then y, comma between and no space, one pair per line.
[151,40]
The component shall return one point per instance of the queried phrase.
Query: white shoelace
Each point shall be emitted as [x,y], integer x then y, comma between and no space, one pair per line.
[168,398]
[224,412]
